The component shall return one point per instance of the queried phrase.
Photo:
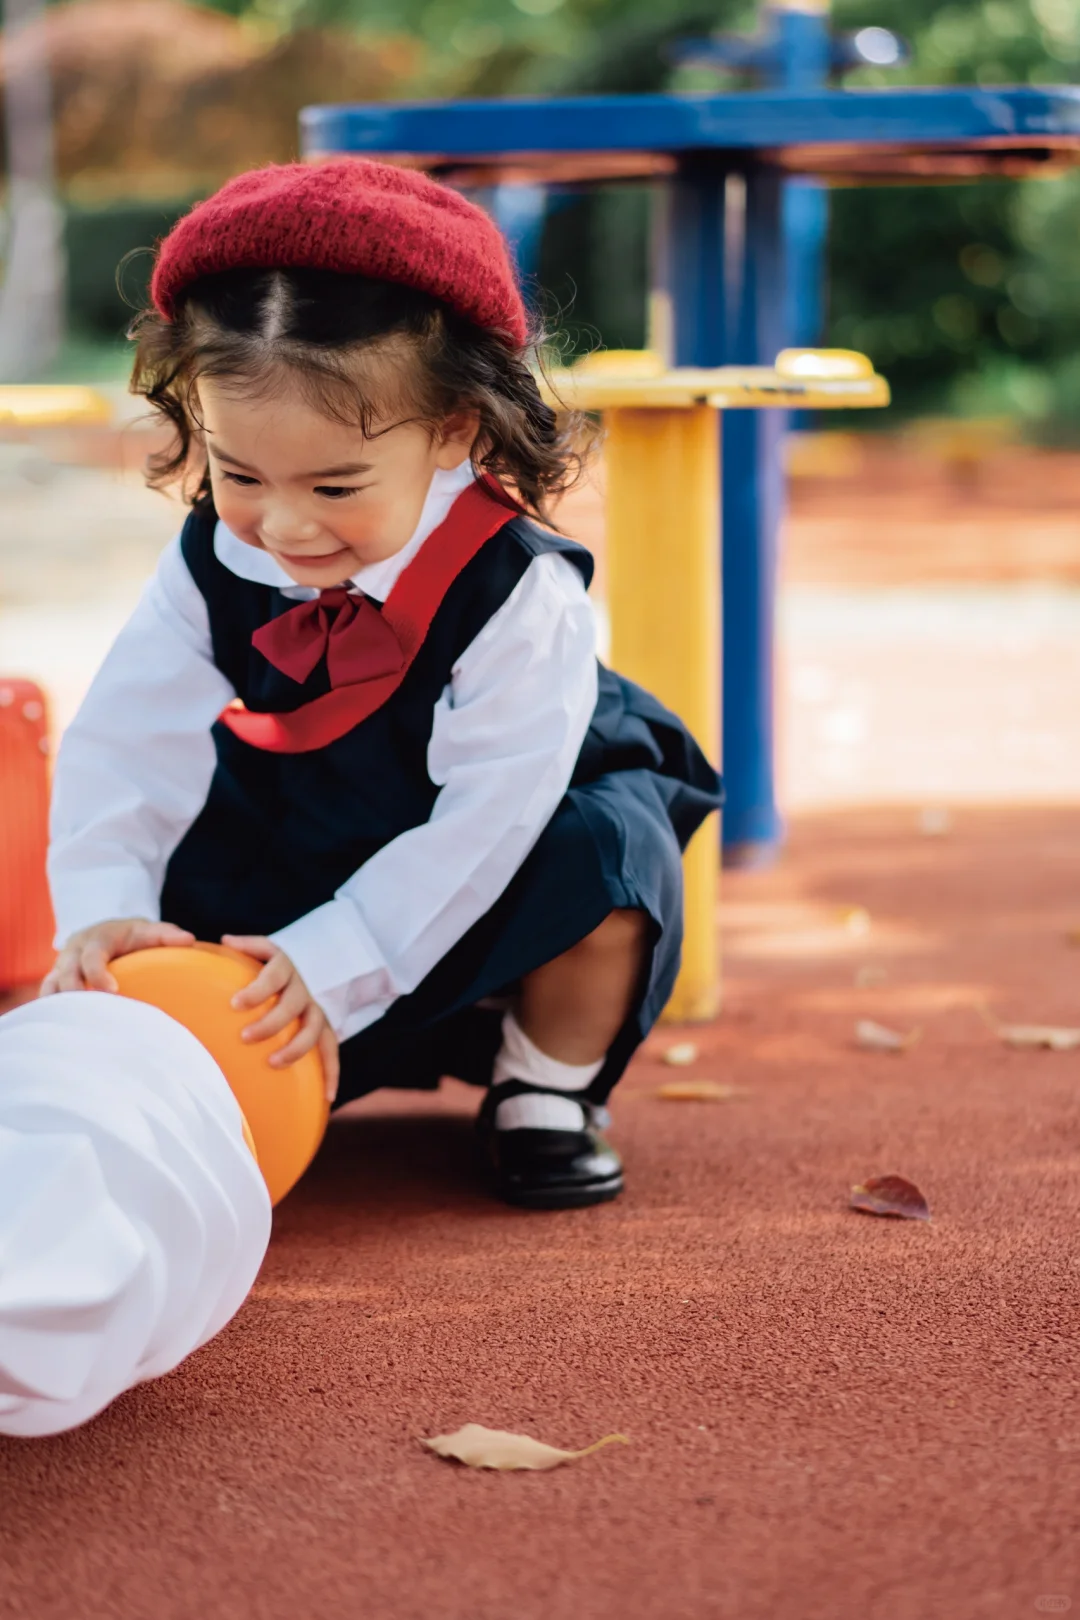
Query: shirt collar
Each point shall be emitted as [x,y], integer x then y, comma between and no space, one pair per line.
[376,579]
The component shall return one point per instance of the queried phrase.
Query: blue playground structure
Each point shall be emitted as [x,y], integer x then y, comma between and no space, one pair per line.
[740,219]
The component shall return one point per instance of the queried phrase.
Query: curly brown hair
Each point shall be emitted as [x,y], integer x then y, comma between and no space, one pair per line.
[364,352]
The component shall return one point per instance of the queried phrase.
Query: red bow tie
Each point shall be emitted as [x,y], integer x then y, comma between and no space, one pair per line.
[358,643]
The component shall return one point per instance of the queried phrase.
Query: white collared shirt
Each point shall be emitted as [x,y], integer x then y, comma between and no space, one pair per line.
[135,766]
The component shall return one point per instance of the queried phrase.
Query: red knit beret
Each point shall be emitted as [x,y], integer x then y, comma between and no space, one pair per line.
[355,216]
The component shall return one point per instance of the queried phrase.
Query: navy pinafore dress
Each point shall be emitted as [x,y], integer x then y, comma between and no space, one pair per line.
[280,833]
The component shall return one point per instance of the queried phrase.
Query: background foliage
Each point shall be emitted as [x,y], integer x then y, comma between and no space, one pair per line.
[967,296]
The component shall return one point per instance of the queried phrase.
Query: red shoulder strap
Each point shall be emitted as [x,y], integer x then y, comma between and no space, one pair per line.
[475,516]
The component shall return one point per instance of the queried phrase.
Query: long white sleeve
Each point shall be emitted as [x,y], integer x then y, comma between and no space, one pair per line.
[135,765]
[505,739]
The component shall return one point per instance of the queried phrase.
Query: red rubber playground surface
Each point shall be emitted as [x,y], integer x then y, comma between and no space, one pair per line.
[831,1416]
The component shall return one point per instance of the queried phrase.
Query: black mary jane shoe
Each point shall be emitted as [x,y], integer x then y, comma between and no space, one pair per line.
[538,1169]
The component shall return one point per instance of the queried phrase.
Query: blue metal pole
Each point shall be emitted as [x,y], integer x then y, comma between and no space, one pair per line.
[690,254]
[753,498]
[691,265]
[772,296]
[804,47]
[803,62]
[721,270]
[519,209]
[806,227]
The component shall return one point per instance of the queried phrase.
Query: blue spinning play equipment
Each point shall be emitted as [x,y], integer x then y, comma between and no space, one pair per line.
[740,230]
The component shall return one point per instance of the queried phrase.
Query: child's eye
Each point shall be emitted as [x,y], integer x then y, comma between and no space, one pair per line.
[242,479]
[336,492]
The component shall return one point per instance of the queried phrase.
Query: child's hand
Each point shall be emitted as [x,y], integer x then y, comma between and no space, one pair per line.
[294,1000]
[83,962]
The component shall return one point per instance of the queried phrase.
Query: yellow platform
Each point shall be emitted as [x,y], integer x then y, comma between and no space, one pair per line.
[662,457]
[31,406]
[802,379]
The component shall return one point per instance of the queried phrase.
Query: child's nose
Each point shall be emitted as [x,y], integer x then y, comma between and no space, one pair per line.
[283,524]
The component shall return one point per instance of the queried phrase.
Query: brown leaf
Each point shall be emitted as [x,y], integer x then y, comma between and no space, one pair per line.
[868,974]
[890,1195]
[878,1038]
[934,822]
[696,1091]
[1050,1037]
[478,1447]
[681,1054]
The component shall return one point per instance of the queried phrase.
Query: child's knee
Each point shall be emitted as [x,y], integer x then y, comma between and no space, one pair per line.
[621,934]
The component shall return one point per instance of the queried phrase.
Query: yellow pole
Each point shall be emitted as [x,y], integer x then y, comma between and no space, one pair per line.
[663,504]
[663,558]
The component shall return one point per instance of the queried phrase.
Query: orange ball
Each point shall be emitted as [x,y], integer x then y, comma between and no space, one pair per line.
[285,1109]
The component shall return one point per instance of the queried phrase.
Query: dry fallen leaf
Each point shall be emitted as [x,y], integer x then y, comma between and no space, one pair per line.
[1050,1037]
[890,1195]
[857,920]
[696,1091]
[868,974]
[934,822]
[478,1447]
[681,1054]
[877,1038]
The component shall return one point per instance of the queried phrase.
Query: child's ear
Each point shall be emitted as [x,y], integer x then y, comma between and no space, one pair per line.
[457,435]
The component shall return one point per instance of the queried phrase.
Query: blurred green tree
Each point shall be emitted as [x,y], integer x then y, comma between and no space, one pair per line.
[497,47]
[968,296]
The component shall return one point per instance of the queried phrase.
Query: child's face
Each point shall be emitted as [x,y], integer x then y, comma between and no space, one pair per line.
[316,494]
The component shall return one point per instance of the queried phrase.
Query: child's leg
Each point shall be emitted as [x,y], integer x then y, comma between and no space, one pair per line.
[573,1008]
[546,1149]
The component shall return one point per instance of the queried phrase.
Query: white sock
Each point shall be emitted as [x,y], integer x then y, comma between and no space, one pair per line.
[520,1059]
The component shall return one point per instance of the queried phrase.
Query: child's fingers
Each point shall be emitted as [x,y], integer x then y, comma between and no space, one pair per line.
[331,1061]
[65,973]
[303,1041]
[290,1004]
[252,945]
[160,933]
[83,964]
[94,967]
[269,981]
[54,980]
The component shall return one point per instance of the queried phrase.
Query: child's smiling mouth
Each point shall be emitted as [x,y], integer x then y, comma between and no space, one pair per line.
[321,559]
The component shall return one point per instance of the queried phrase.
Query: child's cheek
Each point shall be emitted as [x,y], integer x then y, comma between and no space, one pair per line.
[370,522]
[237,514]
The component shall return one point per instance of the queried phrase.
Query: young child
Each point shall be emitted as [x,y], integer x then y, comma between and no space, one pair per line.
[356,725]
